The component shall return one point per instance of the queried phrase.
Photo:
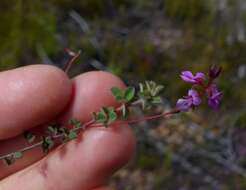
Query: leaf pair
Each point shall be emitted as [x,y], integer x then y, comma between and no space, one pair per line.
[123,95]
[47,144]
[13,157]
[75,123]
[105,116]
[29,136]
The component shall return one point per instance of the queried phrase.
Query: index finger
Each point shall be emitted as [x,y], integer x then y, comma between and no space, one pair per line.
[31,96]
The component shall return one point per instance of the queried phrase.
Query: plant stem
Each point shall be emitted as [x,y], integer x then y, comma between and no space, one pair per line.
[93,123]
[152,117]
[72,60]
[53,137]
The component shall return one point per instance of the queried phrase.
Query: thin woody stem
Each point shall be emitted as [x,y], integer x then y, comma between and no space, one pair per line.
[93,123]
[145,118]
[152,117]
[22,150]
[75,56]
[53,137]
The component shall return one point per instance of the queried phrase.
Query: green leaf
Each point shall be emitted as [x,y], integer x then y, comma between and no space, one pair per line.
[156,100]
[75,122]
[29,136]
[17,155]
[72,135]
[105,116]
[47,144]
[150,88]
[50,142]
[117,93]
[149,94]
[52,130]
[158,89]
[129,94]
[101,116]
[62,130]
[148,85]
[112,115]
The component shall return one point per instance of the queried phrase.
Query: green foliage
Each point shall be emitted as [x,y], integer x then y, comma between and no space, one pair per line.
[129,94]
[72,135]
[47,144]
[123,95]
[75,123]
[52,130]
[117,93]
[9,160]
[105,116]
[26,26]
[189,10]
[66,134]
[29,136]
[17,155]
[149,94]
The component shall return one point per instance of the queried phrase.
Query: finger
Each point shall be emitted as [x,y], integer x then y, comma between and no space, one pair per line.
[93,91]
[85,92]
[84,163]
[13,145]
[31,96]
[87,163]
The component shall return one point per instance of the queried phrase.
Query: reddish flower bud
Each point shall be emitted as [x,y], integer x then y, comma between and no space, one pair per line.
[214,71]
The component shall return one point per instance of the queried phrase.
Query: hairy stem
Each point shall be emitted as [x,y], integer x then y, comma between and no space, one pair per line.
[93,123]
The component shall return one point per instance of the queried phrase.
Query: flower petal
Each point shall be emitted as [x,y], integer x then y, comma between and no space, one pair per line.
[187,76]
[184,104]
[196,100]
[213,103]
[215,99]
[200,76]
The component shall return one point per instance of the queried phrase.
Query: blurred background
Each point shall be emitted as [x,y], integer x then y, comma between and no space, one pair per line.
[139,40]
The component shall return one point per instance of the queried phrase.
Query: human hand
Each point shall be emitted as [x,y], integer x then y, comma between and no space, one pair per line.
[33,96]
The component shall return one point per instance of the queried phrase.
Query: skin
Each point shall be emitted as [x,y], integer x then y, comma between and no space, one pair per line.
[31,97]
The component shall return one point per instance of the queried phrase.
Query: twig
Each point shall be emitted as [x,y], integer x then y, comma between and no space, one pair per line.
[72,60]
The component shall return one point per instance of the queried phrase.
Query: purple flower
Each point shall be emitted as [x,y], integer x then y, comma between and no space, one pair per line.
[187,76]
[214,96]
[187,102]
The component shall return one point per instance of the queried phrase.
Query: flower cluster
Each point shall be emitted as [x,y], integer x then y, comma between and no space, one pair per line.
[202,85]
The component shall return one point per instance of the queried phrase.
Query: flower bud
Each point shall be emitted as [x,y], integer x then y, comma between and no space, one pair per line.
[214,71]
